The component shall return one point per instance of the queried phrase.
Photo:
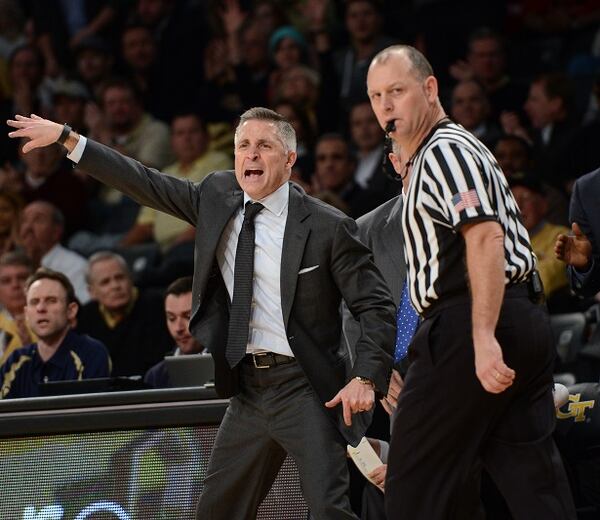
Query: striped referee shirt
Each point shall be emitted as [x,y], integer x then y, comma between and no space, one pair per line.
[456,180]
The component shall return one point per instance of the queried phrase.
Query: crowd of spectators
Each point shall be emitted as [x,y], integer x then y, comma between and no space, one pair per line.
[165,80]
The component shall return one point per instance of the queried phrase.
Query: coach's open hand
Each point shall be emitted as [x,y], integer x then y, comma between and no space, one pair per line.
[40,132]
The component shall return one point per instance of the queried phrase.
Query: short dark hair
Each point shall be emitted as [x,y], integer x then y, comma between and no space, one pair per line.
[13,198]
[528,181]
[16,258]
[285,130]
[180,286]
[475,82]
[334,136]
[420,66]
[39,58]
[557,85]
[135,24]
[122,83]
[377,5]
[43,273]
[486,33]
[190,113]
[516,139]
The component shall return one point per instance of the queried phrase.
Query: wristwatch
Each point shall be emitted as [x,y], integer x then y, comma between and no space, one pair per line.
[64,135]
[364,381]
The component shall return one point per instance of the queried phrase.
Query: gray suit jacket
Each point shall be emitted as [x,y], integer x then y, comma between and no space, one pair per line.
[381,231]
[315,235]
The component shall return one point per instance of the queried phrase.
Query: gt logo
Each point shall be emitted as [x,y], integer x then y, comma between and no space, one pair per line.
[576,408]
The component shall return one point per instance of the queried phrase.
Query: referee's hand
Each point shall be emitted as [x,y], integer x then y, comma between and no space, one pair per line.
[494,375]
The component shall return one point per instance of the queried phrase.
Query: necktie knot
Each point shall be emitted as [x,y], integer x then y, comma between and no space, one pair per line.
[251,210]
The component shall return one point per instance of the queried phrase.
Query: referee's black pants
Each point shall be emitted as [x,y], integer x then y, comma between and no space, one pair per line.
[447,422]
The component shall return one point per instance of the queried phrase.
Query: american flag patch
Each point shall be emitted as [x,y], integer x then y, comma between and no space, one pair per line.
[465,199]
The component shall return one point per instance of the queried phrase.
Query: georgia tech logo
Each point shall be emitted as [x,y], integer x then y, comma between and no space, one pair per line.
[576,408]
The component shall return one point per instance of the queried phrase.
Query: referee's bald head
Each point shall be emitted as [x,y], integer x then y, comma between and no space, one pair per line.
[419,65]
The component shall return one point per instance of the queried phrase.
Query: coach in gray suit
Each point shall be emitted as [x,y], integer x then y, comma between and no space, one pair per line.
[290,389]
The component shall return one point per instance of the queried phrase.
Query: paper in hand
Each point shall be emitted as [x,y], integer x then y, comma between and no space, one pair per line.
[365,458]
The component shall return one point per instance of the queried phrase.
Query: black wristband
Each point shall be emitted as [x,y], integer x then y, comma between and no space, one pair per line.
[66,131]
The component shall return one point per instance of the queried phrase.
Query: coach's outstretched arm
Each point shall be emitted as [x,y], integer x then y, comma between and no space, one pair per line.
[178,197]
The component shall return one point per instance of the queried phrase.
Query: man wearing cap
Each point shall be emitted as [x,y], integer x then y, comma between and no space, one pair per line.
[70,97]
[94,62]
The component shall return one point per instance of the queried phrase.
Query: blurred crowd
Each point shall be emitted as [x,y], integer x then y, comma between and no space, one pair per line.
[164,81]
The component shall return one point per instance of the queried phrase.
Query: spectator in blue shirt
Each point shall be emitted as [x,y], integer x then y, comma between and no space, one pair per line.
[59,354]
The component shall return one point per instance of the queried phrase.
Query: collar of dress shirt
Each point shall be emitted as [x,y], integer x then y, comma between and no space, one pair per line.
[275,202]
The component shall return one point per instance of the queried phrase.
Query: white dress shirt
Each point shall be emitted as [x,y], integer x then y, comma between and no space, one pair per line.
[367,166]
[267,331]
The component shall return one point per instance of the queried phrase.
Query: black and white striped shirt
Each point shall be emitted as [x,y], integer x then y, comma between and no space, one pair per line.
[456,180]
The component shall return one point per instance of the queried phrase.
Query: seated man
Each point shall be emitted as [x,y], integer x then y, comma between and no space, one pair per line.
[195,160]
[59,354]
[470,107]
[173,237]
[15,268]
[530,196]
[334,172]
[130,322]
[178,309]
[41,231]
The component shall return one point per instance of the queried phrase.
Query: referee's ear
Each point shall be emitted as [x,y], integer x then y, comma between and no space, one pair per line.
[431,89]
[396,162]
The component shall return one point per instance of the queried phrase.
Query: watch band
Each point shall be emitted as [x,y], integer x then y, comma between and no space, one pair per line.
[66,131]
[364,381]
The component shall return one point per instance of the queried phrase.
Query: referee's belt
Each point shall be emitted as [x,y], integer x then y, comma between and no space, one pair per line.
[517,290]
[267,359]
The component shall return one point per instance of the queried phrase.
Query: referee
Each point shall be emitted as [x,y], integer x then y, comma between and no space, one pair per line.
[479,387]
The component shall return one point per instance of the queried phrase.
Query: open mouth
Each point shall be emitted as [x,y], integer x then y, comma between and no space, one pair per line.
[252,174]
[43,322]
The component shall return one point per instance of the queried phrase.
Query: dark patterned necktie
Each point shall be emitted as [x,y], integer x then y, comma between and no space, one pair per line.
[239,317]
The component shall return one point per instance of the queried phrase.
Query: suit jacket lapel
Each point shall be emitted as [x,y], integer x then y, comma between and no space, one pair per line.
[294,241]
[209,230]
[216,222]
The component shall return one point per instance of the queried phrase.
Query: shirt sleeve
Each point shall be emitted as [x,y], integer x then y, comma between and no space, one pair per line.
[457,185]
[77,152]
